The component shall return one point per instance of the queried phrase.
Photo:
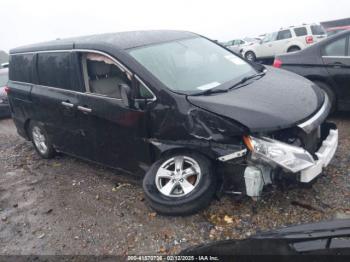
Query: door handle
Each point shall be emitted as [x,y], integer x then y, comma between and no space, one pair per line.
[67,104]
[84,109]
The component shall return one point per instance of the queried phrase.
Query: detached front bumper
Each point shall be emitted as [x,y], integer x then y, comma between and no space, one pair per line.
[324,154]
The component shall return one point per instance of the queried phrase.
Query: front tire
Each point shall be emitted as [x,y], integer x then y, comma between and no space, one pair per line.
[250,56]
[180,184]
[41,140]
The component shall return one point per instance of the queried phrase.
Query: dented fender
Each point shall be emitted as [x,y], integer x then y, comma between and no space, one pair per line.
[200,131]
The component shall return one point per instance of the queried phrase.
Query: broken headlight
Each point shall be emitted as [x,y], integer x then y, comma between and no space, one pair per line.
[291,158]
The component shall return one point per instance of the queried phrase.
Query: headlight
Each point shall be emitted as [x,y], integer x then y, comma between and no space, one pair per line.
[292,158]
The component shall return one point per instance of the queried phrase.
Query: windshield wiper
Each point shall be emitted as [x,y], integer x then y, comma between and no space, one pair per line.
[212,91]
[220,90]
[246,78]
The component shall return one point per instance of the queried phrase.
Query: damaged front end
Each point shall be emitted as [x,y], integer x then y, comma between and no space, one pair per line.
[302,151]
[267,155]
[246,161]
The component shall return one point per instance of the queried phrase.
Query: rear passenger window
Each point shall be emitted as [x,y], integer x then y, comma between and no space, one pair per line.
[21,68]
[284,34]
[300,31]
[336,48]
[56,70]
[104,77]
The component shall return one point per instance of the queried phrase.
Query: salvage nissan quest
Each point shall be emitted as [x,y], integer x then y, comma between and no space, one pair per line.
[189,116]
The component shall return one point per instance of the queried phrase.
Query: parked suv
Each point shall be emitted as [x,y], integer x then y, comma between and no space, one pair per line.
[286,40]
[187,115]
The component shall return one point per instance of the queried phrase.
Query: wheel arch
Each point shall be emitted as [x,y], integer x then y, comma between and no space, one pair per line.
[329,86]
[26,128]
[174,149]
[324,80]
[294,45]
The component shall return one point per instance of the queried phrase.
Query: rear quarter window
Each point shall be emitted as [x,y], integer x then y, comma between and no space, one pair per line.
[335,48]
[57,69]
[317,30]
[21,68]
[300,31]
[284,34]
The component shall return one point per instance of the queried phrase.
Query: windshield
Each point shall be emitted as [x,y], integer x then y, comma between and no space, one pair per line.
[3,79]
[191,65]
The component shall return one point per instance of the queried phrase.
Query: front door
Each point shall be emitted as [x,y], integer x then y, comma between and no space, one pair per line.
[119,131]
[336,57]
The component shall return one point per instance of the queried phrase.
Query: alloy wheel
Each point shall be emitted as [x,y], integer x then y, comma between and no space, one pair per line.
[178,176]
[39,139]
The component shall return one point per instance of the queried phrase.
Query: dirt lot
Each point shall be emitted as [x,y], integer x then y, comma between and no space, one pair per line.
[67,206]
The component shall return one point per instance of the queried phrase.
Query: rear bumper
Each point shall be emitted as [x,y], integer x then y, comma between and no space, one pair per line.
[324,154]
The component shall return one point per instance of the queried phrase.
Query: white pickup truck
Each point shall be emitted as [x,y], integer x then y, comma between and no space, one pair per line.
[283,41]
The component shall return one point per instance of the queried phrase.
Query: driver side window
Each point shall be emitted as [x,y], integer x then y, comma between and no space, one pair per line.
[104,76]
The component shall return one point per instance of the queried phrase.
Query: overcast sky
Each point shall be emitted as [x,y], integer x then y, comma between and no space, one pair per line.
[30,21]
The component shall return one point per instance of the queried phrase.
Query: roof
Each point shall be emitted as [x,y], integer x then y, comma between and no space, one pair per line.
[296,26]
[334,23]
[122,40]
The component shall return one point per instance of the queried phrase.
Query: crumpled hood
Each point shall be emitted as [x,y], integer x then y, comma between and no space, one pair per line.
[278,100]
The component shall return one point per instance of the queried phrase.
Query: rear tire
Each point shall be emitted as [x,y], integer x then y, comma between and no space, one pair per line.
[200,186]
[41,140]
[330,93]
[250,56]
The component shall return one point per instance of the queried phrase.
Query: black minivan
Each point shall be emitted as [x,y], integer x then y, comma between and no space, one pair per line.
[189,116]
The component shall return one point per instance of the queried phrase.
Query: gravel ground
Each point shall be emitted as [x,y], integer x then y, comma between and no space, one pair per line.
[68,206]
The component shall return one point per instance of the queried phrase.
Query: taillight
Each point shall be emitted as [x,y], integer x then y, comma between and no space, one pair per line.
[309,39]
[277,63]
[7,89]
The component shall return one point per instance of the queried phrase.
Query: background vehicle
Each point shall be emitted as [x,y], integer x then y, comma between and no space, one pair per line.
[286,40]
[327,64]
[4,105]
[4,58]
[322,239]
[236,45]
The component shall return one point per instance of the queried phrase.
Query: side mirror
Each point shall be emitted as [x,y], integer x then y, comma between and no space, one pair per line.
[126,94]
